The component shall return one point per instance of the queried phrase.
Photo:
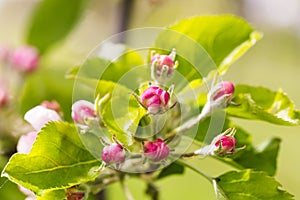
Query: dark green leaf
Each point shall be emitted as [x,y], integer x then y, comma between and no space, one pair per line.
[263,104]
[58,159]
[250,185]
[52,21]
[172,169]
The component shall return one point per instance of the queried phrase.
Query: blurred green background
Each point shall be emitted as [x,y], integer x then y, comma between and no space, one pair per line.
[274,63]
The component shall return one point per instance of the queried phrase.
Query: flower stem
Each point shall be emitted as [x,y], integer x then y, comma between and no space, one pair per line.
[199,171]
[126,189]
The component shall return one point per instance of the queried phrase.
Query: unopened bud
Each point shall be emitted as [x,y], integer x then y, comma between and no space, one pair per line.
[39,116]
[225,145]
[113,154]
[53,105]
[155,99]
[25,59]
[83,111]
[163,66]
[225,90]
[156,151]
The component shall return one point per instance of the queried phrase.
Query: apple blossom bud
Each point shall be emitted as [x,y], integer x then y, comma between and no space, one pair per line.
[25,58]
[160,61]
[53,105]
[155,99]
[26,141]
[226,145]
[163,66]
[224,88]
[3,93]
[39,116]
[83,111]
[156,151]
[113,154]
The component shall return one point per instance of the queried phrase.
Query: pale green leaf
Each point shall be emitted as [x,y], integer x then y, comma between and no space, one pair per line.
[58,159]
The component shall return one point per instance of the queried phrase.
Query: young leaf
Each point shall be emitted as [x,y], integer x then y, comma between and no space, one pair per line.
[222,38]
[52,21]
[263,104]
[57,160]
[120,113]
[249,185]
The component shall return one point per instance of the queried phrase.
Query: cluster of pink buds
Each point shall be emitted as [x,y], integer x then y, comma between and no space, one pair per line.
[113,154]
[156,151]
[155,100]
[83,112]
[163,66]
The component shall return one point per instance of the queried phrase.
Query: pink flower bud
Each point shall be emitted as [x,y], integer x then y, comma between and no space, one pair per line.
[26,141]
[39,116]
[113,154]
[226,145]
[155,99]
[3,93]
[157,150]
[82,111]
[163,60]
[224,88]
[53,105]
[25,59]
[30,195]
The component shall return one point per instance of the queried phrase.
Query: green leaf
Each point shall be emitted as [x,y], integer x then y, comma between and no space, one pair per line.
[203,39]
[57,160]
[52,21]
[120,113]
[250,185]
[172,169]
[260,103]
